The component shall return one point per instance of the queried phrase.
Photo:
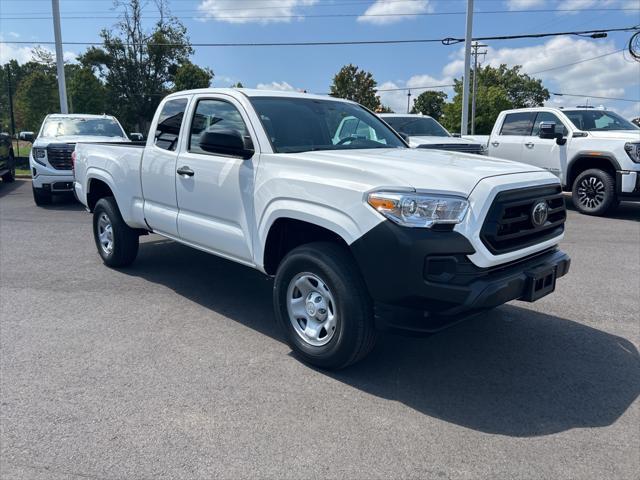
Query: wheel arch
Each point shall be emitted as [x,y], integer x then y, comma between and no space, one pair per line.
[97,188]
[588,160]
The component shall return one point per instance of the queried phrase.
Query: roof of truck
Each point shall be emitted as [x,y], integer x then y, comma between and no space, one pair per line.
[252,92]
[78,115]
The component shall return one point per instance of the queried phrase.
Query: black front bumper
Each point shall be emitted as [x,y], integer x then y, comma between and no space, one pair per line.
[422,280]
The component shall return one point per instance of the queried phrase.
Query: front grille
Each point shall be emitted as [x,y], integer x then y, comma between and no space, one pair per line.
[509,224]
[59,155]
[455,147]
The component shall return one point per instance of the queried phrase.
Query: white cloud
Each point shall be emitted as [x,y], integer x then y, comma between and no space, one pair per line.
[279,86]
[258,11]
[524,4]
[394,7]
[397,99]
[23,53]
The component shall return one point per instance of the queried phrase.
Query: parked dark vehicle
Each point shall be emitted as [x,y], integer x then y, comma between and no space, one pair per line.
[7,159]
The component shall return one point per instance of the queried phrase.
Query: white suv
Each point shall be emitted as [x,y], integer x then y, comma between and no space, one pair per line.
[594,152]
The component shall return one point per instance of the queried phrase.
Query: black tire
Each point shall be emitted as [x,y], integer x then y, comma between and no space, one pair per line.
[124,239]
[594,192]
[10,176]
[355,334]
[41,197]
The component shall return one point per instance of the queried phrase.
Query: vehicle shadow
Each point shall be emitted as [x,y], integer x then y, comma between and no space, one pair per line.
[625,211]
[6,188]
[512,372]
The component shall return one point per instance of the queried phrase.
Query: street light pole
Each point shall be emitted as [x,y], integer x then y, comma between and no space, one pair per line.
[467,67]
[62,87]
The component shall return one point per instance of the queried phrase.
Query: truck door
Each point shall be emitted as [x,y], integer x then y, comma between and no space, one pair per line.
[215,195]
[158,171]
[545,152]
[508,141]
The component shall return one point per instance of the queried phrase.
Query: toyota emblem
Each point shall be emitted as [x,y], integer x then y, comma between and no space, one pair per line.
[539,213]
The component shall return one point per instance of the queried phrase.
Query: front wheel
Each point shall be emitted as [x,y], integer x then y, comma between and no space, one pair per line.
[117,243]
[10,176]
[594,192]
[41,197]
[323,306]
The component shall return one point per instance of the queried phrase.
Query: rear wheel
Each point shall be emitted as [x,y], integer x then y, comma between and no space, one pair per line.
[41,197]
[594,192]
[117,243]
[322,304]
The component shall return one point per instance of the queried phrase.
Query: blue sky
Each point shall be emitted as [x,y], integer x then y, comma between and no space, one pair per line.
[393,66]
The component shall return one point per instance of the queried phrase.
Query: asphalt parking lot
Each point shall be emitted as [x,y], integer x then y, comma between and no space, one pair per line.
[174,368]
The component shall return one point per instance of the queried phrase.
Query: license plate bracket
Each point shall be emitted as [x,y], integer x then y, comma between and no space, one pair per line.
[541,281]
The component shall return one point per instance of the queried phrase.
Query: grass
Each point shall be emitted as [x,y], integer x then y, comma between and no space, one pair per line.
[23,150]
[21,171]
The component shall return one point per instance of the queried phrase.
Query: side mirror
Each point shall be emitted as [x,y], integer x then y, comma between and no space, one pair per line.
[548,131]
[226,142]
[136,137]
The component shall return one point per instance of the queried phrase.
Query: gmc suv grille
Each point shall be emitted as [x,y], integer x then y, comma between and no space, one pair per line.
[59,155]
[511,224]
[455,147]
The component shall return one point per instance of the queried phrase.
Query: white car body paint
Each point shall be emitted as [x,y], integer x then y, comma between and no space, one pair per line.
[326,188]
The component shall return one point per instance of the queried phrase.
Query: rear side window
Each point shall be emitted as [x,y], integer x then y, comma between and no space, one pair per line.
[520,123]
[169,122]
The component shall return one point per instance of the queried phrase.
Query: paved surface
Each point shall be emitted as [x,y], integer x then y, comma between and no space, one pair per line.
[174,369]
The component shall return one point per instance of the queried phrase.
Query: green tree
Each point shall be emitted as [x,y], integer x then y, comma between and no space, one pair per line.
[85,92]
[237,85]
[36,96]
[138,66]
[189,76]
[499,88]
[430,103]
[355,84]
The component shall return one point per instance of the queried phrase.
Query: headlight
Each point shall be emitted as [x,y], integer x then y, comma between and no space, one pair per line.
[633,150]
[39,154]
[419,210]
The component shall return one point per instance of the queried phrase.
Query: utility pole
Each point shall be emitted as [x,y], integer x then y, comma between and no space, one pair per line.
[11,116]
[408,100]
[475,54]
[62,87]
[467,67]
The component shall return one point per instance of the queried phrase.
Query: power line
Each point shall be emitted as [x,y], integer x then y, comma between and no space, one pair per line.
[445,41]
[595,96]
[578,62]
[323,15]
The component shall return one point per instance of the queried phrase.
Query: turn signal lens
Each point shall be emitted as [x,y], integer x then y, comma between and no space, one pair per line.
[419,210]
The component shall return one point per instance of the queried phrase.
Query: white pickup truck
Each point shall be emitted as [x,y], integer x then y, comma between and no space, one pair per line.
[594,152]
[361,234]
[423,131]
[50,157]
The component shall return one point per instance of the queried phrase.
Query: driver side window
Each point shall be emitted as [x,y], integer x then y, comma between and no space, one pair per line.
[548,117]
[214,116]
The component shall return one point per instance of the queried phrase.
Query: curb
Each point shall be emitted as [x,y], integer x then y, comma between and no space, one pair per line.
[20,175]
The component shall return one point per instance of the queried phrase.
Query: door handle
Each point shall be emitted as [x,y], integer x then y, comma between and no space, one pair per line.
[495,144]
[186,171]
[529,145]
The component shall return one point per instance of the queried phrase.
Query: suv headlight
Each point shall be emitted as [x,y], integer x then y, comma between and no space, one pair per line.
[419,210]
[633,150]
[39,154]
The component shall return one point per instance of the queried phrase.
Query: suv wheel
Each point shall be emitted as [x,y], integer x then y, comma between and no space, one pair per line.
[41,197]
[117,243]
[594,192]
[323,305]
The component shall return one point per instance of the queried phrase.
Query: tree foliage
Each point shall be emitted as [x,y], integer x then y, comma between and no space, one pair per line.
[499,88]
[36,97]
[355,84]
[85,92]
[430,103]
[189,76]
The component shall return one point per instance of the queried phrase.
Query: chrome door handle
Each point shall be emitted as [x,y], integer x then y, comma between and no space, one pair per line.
[185,171]
[495,144]
[530,145]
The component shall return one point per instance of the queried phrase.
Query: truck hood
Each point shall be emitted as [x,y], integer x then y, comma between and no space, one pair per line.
[44,141]
[426,170]
[626,135]
[414,141]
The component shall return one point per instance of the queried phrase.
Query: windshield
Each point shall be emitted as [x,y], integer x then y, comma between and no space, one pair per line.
[63,126]
[304,124]
[417,126]
[598,120]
